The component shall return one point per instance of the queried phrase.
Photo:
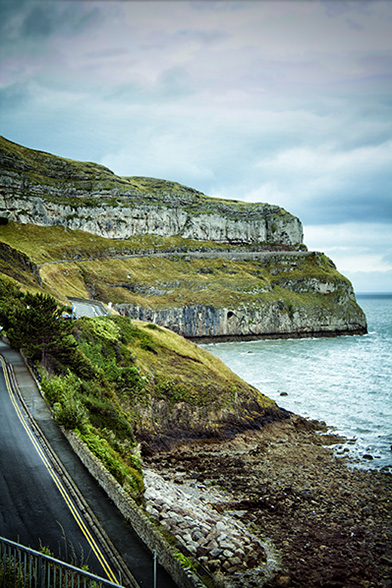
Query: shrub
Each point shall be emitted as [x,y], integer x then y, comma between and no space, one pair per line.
[71,413]
[128,477]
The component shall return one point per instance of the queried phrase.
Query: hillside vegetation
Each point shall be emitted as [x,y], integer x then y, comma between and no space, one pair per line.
[122,384]
[66,263]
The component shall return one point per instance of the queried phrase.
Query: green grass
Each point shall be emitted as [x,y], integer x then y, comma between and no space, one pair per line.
[178,281]
[130,380]
[57,243]
[88,184]
[100,267]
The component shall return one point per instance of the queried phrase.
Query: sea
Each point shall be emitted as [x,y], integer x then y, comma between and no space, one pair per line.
[345,381]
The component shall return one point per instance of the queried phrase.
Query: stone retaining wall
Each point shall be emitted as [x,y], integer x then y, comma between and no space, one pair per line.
[132,513]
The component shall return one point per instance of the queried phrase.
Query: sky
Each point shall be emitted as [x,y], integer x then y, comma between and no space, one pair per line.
[286,102]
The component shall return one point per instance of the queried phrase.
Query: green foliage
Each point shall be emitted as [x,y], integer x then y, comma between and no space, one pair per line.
[63,393]
[11,302]
[12,573]
[114,373]
[54,388]
[33,322]
[70,413]
[186,562]
[129,477]
[44,549]
[91,405]
[174,392]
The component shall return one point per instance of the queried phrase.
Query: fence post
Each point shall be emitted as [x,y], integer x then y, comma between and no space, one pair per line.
[155,568]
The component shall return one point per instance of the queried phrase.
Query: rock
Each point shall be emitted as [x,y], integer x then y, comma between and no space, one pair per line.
[227,545]
[307,493]
[196,535]
[118,208]
[220,527]
[201,551]
[214,564]
[153,511]
[228,554]
[192,547]
[45,190]
[212,545]
[216,552]
[221,537]
[196,320]
[283,581]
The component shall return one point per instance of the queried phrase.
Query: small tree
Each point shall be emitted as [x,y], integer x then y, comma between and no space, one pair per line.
[11,300]
[36,325]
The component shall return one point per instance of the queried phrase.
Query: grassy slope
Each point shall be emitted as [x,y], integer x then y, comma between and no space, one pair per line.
[181,389]
[79,183]
[45,244]
[156,282]
[134,382]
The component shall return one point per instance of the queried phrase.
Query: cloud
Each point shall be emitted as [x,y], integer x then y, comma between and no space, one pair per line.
[284,102]
[342,185]
[362,251]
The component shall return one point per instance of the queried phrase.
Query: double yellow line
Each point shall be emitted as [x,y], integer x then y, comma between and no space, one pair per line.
[69,502]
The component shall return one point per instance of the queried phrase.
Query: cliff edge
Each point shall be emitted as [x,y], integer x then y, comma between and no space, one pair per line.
[39,188]
[160,252]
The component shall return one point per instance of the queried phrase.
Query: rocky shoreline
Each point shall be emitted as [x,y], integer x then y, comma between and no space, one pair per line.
[275,508]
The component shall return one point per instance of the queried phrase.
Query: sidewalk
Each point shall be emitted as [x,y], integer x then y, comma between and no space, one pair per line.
[134,553]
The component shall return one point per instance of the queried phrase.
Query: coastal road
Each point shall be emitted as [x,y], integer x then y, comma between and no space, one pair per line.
[36,520]
[36,509]
[87,308]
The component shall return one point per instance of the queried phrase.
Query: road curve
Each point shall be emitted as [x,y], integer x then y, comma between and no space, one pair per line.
[134,553]
[35,506]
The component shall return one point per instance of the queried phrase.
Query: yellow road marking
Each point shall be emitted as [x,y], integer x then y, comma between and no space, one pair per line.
[75,512]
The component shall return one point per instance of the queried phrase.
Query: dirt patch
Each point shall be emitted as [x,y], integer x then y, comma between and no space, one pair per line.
[330,523]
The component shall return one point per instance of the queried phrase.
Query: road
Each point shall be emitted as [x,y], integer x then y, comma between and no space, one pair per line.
[35,506]
[87,308]
[26,524]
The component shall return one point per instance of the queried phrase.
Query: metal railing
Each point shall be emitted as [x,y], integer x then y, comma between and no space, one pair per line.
[22,567]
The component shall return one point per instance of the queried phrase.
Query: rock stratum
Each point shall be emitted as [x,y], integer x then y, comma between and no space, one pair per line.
[160,252]
[39,188]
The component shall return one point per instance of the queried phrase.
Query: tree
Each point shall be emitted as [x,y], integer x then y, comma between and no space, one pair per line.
[34,323]
[11,299]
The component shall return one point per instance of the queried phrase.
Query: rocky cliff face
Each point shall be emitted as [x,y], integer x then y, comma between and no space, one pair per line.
[42,189]
[271,319]
[239,292]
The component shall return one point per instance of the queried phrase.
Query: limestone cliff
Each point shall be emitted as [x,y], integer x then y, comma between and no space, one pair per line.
[167,254]
[294,295]
[39,188]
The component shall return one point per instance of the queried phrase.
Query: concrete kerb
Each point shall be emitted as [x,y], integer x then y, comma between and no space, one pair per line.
[144,528]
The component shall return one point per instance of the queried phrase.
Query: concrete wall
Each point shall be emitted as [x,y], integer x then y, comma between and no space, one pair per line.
[147,532]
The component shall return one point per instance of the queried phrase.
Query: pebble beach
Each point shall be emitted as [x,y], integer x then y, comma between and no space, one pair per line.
[275,507]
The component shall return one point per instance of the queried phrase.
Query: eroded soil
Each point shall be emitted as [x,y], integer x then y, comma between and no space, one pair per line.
[330,523]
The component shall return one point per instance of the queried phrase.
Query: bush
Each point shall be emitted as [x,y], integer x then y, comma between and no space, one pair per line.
[12,573]
[71,413]
[128,477]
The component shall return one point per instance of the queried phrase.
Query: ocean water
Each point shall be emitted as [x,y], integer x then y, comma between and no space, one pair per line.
[344,381]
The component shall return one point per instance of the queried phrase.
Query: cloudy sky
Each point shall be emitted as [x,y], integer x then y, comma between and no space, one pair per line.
[287,102]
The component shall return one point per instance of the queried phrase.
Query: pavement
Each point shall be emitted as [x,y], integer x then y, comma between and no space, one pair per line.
[132,550]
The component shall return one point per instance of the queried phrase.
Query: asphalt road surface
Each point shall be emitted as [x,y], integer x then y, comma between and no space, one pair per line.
[87,308]
[35,507]
[31,506]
